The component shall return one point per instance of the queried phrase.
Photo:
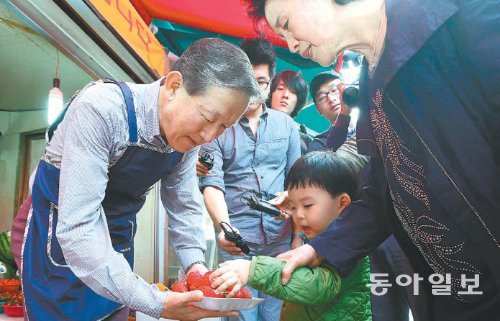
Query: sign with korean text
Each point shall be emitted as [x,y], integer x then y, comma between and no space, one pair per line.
[124,19]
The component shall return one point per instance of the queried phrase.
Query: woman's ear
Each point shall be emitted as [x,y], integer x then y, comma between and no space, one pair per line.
[173,81]
[344,200]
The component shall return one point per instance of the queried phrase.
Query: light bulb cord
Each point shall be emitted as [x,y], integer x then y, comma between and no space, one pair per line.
[57,63]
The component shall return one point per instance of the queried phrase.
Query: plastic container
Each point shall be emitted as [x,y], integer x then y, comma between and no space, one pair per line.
[13,310]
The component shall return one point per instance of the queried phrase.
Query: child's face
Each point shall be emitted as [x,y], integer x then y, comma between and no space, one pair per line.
[314,209]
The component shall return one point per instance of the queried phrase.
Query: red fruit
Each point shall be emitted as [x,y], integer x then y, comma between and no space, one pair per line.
[209,292]
[180,286]
[244,293]
[194,280]
[206,280]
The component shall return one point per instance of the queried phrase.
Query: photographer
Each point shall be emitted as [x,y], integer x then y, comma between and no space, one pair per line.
[326,90]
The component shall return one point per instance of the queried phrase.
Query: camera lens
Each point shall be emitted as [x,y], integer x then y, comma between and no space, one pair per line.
[350,96]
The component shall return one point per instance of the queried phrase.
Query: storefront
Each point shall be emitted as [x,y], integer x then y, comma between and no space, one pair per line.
[79,43]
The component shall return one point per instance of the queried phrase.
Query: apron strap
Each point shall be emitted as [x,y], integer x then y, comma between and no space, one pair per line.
[129,102]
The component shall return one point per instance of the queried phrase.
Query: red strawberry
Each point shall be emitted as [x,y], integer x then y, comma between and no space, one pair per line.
[209,292]
[180,286]
[244,293]
[206,280]
[194,280]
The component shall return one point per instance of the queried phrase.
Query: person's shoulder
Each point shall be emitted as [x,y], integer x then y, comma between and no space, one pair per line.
[278,115]
[104,98]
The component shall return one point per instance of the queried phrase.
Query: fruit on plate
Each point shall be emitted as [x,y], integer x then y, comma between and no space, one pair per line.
[209,292]
[244,293]
[180,286]
[198,281]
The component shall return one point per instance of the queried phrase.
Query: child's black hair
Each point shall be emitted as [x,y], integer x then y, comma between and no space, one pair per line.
[336,173]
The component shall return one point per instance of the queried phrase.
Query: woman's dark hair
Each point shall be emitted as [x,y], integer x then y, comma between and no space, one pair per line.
[293,80]
[335,173]
[256,8]
[260,52]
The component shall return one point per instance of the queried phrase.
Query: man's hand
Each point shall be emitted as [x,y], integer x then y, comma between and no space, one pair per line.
[281,201]
[301,256]
[233,273]
[179,306]
[228,246]
[201,170]
[198,268]
[344,108]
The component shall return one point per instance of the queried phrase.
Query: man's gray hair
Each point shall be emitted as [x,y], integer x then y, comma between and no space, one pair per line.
[213,62]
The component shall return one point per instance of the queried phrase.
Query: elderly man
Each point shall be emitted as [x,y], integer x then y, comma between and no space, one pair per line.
[114,142]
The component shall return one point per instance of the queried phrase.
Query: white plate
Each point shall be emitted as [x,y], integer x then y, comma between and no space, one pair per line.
[228,304]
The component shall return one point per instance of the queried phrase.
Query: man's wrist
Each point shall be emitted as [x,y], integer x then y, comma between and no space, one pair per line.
[300,235]
[195,263]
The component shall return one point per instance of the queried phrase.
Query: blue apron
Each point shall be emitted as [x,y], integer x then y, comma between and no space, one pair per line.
[51,290]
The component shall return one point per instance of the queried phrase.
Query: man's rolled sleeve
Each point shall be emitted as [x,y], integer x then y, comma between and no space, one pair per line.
[216,176]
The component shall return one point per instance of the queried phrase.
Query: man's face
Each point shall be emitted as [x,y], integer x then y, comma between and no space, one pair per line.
[316,29]
[283,99]
[328,100]
[263,76]
[188,121]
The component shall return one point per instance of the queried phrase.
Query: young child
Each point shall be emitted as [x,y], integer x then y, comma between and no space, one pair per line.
[320,185]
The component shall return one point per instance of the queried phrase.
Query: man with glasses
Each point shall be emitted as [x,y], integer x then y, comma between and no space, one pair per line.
[326,95]
[255,154]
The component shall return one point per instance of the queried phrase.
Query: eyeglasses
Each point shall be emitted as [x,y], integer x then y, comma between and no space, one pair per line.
[332,91]
[263,84]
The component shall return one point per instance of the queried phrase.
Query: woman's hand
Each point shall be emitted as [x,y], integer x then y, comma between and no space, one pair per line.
[302,256]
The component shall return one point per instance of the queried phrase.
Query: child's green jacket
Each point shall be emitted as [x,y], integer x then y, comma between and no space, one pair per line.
[315,294]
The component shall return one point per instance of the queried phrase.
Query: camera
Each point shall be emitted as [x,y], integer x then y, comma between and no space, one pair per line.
[258,201]
[233,236]
[350,96]
[207,159]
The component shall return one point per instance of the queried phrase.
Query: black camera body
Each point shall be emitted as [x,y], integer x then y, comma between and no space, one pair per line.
[259,204]
[207,159]
[258,201]
[233,236]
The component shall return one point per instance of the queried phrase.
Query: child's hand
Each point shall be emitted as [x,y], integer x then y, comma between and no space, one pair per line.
[233,274]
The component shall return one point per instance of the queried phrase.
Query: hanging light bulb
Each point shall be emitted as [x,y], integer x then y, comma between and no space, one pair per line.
[55,101]
[55,97]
